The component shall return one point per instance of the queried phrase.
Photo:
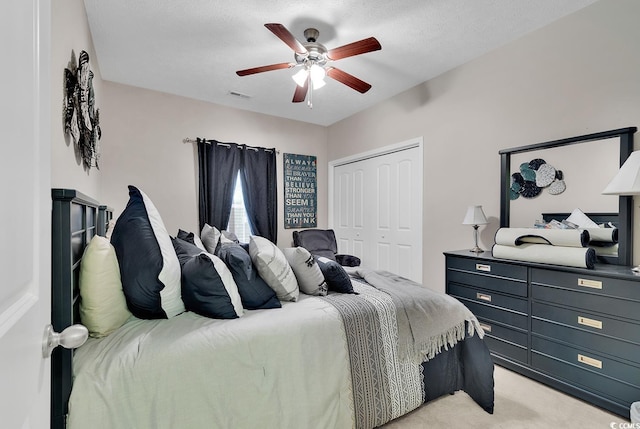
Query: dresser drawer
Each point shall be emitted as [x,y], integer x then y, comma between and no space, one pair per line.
[589,322]
[506,349]
[601,343]
[497,330]
[490,275]
[588,301]
[591,283]
[488,297]
[497,314]
[488,267]
[596,372]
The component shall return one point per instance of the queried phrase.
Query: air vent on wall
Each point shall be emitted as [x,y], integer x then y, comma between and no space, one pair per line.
[239,95]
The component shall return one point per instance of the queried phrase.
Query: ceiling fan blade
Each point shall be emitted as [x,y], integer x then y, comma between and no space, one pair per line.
[348,79]
[264,69]
[301,92]
[356,48]
[288,38]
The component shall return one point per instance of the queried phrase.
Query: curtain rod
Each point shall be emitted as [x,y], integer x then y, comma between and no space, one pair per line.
[188,140]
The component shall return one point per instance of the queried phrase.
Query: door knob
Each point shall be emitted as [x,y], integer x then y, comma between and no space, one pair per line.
[72,337]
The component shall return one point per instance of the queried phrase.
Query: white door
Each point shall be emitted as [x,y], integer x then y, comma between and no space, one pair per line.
[25,212]
[377,208]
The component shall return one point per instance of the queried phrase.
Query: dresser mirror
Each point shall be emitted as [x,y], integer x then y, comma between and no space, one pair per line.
[585,164]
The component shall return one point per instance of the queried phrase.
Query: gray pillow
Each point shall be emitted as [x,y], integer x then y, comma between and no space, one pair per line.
[310,278]
[255,293]
[273,267]
[210,237]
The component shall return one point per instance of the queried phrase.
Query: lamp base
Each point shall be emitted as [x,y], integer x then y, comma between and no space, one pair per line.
[476,250]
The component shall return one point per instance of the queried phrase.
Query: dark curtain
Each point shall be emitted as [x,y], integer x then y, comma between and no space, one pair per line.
[218,167]
[258,173]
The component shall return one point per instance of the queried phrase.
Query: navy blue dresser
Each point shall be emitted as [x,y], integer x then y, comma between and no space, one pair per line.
[577,330]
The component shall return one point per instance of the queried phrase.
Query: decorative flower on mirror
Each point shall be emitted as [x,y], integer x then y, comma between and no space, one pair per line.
[81,118]
[533,177]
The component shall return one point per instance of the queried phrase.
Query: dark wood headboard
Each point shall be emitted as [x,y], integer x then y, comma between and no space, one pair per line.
[76,218]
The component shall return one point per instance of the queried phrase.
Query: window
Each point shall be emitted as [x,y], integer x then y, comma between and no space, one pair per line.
[238,221]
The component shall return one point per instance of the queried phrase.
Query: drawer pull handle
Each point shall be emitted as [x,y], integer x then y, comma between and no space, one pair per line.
[483,297]
[483,267]
[485,327]
[594,284]
[592,323]
[590,361]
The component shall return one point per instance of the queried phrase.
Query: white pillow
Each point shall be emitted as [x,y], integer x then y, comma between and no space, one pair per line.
[210,237]
[273,267]
[170,273]
[308,273]
[103,307]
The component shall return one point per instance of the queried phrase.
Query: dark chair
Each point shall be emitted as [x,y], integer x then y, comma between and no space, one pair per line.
[322,242]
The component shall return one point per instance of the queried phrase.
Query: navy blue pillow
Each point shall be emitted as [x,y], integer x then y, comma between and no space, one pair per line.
[336,277]
[149,268]
[186,236]
[255,293]
[208,288]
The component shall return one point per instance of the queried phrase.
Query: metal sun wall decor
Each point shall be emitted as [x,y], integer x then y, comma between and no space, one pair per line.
[533,177]
[81,118]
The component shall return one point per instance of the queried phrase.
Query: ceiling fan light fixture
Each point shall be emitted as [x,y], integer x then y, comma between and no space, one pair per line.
[317,73]
[300,78]
[317,84]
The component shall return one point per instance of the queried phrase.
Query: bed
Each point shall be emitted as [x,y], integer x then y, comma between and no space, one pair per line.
[335,361]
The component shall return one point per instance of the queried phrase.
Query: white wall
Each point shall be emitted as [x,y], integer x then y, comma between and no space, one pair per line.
[70,32]
[142,135]
[577,76]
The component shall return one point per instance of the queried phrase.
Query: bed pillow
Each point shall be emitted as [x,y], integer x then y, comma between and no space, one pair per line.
[103,307]
[210,237]
[336,277]
[254,292]
[310,278]
[149,267]
[273,268]
[192,238]
[208,288]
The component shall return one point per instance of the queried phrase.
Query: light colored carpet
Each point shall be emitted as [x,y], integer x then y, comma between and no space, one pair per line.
[520,403]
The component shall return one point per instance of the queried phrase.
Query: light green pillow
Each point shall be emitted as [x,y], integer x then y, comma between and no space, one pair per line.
[103,307]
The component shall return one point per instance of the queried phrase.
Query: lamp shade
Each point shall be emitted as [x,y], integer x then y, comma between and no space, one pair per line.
[627,181]
[300,77]
[474,216]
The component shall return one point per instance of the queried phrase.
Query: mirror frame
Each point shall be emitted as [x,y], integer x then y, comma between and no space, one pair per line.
[625,205]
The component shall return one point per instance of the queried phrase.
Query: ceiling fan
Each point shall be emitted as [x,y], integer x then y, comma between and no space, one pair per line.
[314,60]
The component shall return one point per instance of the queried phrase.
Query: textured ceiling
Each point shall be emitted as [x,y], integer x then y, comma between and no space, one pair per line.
[193,48]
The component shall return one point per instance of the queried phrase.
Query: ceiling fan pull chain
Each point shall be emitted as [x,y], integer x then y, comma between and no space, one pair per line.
[310,86]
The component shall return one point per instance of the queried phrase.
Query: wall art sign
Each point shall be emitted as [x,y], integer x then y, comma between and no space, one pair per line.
[300,191]
[81,118]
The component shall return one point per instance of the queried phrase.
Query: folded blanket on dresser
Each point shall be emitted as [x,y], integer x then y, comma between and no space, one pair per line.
[582,257]
[556,237]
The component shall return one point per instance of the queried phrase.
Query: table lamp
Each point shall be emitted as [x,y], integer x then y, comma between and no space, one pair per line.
[475,216]
[627,182]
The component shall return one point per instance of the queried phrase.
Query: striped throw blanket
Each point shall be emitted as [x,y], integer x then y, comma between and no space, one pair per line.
[392,326]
